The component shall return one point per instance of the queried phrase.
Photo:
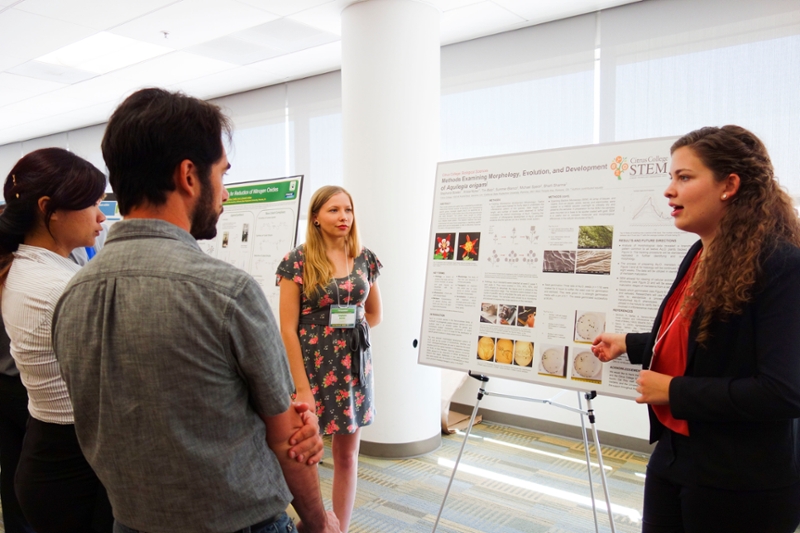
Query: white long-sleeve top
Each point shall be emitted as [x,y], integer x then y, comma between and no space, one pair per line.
[35,282]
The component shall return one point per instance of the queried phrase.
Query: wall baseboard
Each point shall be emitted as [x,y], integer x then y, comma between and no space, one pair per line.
[557,428]
[404,450]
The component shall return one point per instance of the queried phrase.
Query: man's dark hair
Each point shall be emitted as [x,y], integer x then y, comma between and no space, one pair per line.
[149,135]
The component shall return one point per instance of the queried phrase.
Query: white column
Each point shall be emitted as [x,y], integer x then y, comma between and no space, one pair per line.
[390,120]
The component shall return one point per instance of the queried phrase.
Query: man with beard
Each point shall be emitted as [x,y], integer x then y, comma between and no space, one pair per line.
[173,361]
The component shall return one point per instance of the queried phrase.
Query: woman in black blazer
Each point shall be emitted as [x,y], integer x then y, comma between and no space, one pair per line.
[721,367]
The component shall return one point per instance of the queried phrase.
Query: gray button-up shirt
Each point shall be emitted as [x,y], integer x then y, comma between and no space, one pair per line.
[170,356]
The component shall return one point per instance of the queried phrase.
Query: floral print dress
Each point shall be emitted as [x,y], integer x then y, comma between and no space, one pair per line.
[343,400]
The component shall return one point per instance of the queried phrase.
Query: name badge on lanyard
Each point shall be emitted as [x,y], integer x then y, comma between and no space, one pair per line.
[343,316]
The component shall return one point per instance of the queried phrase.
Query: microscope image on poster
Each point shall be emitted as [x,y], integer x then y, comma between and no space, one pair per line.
[588,325]
[554,361]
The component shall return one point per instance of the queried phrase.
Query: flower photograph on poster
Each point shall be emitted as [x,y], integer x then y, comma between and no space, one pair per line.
[444,247]
[468,246]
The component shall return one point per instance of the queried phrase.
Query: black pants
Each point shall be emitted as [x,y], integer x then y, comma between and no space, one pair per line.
[57,489]
[673,504]
[13,419]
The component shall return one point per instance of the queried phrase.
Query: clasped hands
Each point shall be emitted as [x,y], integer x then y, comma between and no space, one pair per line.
[306,443]
[653,387]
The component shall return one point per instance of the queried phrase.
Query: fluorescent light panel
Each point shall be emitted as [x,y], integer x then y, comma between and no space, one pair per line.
[103,52]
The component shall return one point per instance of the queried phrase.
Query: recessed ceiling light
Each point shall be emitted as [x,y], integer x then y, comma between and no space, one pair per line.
[104,52]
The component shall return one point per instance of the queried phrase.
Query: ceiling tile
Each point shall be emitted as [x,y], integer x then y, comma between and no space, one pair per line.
[305,63]
[287,35]
[101,89]
[284,7]
[50,72]
[264,41]
[98,14]
[14,88]
[173,68]
[234,50]
[539,11]
[606,4]
[191,22]
[477,20]
[326,17]
[447,5]
[211,39]
[223,83]
[25,36]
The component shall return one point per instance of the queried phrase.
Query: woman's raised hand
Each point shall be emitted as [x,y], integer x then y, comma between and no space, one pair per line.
[609,346]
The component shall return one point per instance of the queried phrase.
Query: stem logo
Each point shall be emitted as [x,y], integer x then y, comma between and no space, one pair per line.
[619,165]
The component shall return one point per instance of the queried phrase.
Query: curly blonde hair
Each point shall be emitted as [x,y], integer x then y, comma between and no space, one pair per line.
[757,218]
[317,268]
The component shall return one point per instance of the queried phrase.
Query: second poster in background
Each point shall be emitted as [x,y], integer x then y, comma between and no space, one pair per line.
[533,255]
[257,229]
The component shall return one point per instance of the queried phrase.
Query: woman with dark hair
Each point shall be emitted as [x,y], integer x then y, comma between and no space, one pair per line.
[329,302]
[52,207]
[721,366]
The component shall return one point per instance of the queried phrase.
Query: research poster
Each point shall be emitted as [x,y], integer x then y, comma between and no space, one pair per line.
[257,228]
[532,255]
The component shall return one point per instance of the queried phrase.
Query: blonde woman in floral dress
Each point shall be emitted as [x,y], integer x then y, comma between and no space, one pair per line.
[329,302]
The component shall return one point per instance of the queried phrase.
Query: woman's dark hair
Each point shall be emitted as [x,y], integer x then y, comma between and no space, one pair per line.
[758,217]
[70,182]
[149,135]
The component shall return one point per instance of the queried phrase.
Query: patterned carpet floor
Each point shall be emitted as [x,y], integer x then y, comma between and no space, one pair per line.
[510,480]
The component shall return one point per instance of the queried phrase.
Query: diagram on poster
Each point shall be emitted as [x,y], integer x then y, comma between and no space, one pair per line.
[257,228]
[533,255]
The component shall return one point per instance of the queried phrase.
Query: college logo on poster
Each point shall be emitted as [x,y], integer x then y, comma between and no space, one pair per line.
[619,165]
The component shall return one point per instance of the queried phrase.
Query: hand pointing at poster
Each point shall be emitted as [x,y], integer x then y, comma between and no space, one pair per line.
[609,346]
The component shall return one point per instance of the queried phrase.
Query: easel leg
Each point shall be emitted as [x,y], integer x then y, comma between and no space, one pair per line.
[588,463]
[481,392]
[589,396]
